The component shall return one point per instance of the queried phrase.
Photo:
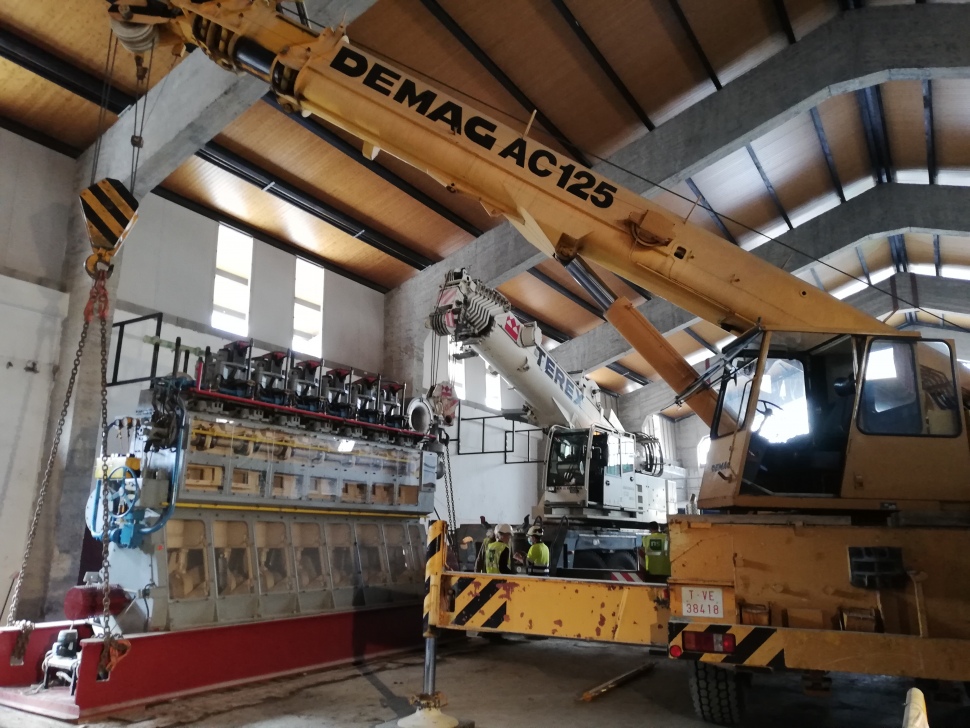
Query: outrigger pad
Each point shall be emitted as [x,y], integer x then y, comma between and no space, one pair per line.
[109,210]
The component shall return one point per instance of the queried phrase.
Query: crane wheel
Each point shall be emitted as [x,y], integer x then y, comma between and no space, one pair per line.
[717,694]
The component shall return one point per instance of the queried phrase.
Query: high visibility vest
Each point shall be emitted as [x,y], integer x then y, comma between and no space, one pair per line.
[537,560]
[493,554]
[656,551]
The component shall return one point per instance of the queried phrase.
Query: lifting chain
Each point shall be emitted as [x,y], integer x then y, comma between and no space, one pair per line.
[97,302]
[450,504]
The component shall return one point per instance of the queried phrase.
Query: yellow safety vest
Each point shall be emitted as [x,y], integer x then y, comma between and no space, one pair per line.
[538,559]
[493,554]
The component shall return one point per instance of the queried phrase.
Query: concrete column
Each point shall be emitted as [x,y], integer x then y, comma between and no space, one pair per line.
[496,257]
[194,104]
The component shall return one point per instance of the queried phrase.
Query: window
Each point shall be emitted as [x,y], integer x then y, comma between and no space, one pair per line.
[308,309]
[230,295]
[703,448]
[908,390]
[493,390]
[456,368]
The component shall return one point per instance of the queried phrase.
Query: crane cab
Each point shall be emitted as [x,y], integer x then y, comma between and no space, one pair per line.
[839,421]
[603,473]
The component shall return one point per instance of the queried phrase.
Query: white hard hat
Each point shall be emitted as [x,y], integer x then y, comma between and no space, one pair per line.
[535,530]
[503,528]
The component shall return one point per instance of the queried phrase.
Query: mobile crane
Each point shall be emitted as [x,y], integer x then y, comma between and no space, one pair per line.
[605,482]
[843,513]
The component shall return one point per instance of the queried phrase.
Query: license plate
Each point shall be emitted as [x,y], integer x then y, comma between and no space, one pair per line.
[702,602]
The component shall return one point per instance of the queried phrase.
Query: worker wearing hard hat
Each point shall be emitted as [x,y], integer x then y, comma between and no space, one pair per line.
[537,558]
[497,553]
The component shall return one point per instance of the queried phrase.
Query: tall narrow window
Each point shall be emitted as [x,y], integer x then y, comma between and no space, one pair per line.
[308,309]
[456,368]
[230,295]
[493,390]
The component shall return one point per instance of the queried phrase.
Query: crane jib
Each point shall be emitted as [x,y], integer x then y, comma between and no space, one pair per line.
[538,160]
[558,376]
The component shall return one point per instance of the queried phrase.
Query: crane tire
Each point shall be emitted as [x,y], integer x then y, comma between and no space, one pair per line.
[716,693]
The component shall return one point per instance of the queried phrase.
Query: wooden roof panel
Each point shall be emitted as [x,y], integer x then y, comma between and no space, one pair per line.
[562,80]
[919,253]
[951,99]
[610,380]
[734,188]
[793,161]
[407,35]
[665,75]
[955,250]
[903,106]
[465,207]
[539,301]
[210,186]
[842,124]
[683,204]
[287,150]
[637,363]
[47,108]
[807,15]
[79,31]
[736,36]
[555,270]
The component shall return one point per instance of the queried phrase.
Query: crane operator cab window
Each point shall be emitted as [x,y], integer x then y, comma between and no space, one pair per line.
[567,460]
[798,411]
[908,389]
[796,393]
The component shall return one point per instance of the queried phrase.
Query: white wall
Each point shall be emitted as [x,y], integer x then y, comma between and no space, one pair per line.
[687,434]
[483,484]
[271,295]
[168,265]
[36,192]
[168,261]
[30,329]
[353,323]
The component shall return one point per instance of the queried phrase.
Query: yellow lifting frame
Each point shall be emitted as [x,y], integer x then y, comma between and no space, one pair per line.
[600,611]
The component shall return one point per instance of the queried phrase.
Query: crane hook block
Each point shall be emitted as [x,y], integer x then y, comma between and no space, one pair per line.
[109,210]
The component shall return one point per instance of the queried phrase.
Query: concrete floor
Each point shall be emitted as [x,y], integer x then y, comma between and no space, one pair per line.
[522,683]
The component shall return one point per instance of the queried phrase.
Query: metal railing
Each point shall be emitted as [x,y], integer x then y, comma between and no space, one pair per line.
[508,449]
[118,333]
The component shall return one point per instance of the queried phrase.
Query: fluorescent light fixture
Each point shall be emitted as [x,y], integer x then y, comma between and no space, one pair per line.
[345,446]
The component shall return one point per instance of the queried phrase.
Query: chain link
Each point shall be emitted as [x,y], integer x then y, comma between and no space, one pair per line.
[450,503]
[105,509]
[48,471]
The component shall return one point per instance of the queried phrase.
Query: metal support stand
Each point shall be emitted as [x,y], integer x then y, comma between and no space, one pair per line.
[429,701]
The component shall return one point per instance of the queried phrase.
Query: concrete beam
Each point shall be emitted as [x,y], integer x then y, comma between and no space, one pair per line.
[883,210]
[855,50]
[195,102]
[901,292]
[496,257]
[907,291]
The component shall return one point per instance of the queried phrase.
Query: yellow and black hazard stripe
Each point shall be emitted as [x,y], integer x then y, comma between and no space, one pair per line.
[754,646]
[477,606]
[109,209]
[432,557]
